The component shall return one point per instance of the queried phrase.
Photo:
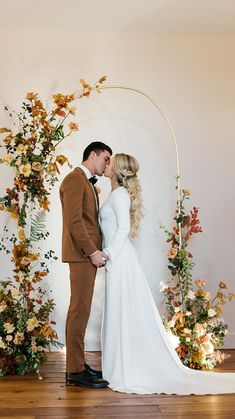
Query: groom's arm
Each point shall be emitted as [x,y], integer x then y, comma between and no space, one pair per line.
[72,193]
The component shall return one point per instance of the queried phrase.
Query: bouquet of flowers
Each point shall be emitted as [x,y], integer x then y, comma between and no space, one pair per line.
[194,319]
[26,331]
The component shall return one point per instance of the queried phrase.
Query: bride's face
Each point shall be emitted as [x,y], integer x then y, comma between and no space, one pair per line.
[108,170]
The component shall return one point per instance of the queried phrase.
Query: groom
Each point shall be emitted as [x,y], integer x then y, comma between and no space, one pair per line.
[81,248]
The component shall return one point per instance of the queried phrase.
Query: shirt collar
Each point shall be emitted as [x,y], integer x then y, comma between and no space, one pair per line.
[85,170]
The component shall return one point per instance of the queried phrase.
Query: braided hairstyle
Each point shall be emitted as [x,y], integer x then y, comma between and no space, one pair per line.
[126,167]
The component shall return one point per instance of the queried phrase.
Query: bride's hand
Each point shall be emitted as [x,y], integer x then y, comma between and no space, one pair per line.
[99,259]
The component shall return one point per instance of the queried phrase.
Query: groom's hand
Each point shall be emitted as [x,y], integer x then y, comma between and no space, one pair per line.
[99,258]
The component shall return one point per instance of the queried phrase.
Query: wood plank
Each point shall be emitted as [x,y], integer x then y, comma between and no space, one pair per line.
[29,398]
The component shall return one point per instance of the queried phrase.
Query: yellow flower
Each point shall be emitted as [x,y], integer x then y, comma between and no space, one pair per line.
[2,130]
[9,327]
[25,169]
[172,253]
[14,293]
[8,139]
[33,321]
[22,149]
[34,347]
[7,159]
[186,192]
[37,166]
[14,212]
[52,167]
[3,306]
[73,126]
[71,109]
[21,234]
[2,344]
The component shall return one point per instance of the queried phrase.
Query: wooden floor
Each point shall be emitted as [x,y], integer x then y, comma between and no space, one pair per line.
[27,397]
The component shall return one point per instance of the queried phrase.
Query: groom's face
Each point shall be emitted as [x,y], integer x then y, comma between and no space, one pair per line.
[101,161]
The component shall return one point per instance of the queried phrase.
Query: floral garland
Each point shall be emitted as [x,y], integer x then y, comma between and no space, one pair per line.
[26,331]
[194,319]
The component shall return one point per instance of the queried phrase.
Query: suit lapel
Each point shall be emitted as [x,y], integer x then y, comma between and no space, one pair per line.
[94,191]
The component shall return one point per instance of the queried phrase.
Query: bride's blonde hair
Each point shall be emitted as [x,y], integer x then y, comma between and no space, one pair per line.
[126,168]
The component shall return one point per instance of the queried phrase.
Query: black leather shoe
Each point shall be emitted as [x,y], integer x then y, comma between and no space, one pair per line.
[95,373]
[85,379]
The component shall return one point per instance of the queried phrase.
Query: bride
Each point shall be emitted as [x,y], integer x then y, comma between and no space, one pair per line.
[137,355]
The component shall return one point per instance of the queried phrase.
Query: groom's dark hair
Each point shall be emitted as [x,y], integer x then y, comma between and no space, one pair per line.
[97,147]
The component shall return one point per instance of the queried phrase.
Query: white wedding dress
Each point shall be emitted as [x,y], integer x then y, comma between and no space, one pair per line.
[137,355]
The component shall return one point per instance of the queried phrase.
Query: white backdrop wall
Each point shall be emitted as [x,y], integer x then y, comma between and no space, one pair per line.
[193,79]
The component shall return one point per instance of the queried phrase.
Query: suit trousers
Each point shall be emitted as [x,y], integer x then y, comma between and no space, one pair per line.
[82,279]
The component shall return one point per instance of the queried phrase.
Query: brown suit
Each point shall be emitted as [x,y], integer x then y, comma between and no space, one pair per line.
[80,238]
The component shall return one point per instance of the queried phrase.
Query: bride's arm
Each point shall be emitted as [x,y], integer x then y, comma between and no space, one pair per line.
[121,207]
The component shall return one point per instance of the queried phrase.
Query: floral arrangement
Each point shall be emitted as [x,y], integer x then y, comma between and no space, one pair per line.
[26,331]
[194,319]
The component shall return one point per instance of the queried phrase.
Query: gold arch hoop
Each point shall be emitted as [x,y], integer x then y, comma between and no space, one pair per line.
[158,107]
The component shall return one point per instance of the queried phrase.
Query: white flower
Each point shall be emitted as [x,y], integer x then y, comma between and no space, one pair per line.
[191,295]
[187,331]
[177,309]
[188,339]
[171,323]
[33,295]
[211,312]
[207,348]
[188,313]
[162,286]
[15,293]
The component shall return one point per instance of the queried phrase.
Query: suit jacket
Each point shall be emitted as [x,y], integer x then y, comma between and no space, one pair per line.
[81,234]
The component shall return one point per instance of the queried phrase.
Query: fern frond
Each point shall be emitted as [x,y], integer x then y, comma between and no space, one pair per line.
[38,226]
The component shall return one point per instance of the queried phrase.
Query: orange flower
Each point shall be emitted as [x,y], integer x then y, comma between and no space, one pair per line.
[73,126]
[44,203]
[84,84]
[1,207]
[61,159]
[37,166]
[200,282]
[31,95]
[20,185]
[172,253]
[60,112]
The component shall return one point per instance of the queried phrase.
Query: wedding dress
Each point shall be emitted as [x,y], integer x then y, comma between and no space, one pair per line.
[137,355]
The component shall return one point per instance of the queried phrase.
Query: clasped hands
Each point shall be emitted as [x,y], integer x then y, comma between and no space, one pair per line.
[99,258]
